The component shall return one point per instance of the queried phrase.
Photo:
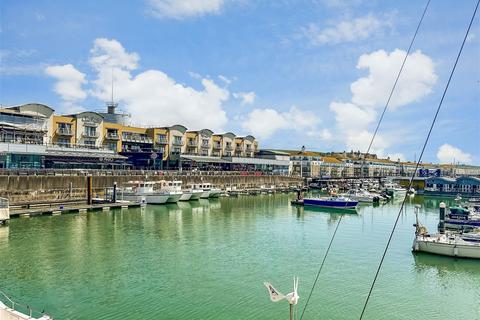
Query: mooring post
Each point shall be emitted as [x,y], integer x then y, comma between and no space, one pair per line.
[89,190]
[70,190]
[114,196]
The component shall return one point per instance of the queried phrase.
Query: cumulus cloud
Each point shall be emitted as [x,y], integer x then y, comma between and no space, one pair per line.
[69,82]
[369,94]
[416,80]
[263,123]
[185,8]
[245,97]
[351,30]
[152,97]
[323,134]
[450,154]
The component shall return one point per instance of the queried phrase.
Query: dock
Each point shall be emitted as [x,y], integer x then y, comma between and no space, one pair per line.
[72,208]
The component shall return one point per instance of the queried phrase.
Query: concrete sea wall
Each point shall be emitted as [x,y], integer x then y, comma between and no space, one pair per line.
[43,189]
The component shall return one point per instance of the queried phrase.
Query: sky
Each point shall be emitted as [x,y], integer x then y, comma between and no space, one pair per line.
[313,73]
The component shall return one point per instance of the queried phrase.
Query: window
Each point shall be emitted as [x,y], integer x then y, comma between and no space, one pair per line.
[161,138]
[112,146]
[177,140]
[91,131]
[63,142]
[89,143]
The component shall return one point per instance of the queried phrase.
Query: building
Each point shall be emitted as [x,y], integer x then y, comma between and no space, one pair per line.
[450,186]
[32,136]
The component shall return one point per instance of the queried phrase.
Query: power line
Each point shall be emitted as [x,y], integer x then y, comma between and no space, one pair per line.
[419,159]
[373,137]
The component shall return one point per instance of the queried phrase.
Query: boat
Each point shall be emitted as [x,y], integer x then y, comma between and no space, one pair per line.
[361,195]
[337,202]
[4,211]
[450,244]
[462,218]
[143,192]
[395,190]
[187,194]
[207,190]
[458,197]
[411,191]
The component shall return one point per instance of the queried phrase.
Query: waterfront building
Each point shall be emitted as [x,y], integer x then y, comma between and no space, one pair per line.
[464,185]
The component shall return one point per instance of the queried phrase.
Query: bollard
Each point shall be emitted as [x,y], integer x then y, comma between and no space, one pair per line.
[441,222]
[114,196]
[89,190]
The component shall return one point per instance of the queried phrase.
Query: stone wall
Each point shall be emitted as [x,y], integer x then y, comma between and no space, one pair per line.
[45,189]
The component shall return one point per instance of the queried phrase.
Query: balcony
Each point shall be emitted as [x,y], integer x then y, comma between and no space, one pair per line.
[205,145]
[238,148]
[177,142]
[217,147]
[192,143]
[139,139]
[228,148]
[162,141]
[112,136]
[87,134]
[64,132]
[248,149]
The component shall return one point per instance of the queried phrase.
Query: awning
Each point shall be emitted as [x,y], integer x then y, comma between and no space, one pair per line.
[204,159]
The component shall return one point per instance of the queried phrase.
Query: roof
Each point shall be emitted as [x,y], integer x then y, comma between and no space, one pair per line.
[275,152]
[204,159]
[331,160]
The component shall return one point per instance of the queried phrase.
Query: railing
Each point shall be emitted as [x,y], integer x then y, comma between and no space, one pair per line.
[217,147]
[192,143]
[64,132]
[137,139]
[205,145]
[228,148]
[23,308]
[90,134]
[162,141]
[177,142]
[112,136]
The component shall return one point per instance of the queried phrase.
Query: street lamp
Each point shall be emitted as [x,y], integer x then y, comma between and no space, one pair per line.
[301,161]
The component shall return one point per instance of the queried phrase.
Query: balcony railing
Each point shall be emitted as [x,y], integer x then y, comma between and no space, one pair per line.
[64,132]
[177,142]
[228,148]
[138,139]
[217,147]
[162,140]
[112,136]
[238,148]
[248,149]
[205,145]
[192,143]
[87,134]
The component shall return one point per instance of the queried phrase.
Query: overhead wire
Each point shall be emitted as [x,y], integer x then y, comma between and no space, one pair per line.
[368,150]
[420,158]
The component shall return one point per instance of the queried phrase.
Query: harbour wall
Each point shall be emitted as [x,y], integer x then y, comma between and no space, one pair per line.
[44,189]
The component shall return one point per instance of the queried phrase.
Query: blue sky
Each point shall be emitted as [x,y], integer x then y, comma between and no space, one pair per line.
[292,73]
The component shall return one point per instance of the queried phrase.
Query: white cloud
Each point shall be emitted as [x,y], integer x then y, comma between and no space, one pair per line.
[351,30]
[152,97]
[263,123]
[416,80]
[246,97]
[69,82]
[369,94]
[225,79]
[449,154]
[179,9]
[323,134]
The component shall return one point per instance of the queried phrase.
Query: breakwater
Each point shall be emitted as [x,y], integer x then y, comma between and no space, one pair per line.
[38,189]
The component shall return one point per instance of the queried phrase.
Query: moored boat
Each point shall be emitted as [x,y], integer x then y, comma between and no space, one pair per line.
[337,202]
[143,192]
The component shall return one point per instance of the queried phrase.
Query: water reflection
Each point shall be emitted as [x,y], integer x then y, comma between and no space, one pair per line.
[445,267]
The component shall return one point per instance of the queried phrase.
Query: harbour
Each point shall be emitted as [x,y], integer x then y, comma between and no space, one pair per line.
[184,260]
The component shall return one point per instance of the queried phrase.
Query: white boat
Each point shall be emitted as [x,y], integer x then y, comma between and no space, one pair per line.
[362,196]
[395,189]
[450,244]
[207,190]
[143,192]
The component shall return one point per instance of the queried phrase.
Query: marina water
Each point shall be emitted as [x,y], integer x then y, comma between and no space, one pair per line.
[208,259]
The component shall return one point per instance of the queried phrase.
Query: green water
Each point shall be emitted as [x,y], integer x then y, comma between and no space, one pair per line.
[208,260]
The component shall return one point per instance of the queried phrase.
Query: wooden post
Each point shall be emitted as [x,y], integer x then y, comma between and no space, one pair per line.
[114,196]
[89,190]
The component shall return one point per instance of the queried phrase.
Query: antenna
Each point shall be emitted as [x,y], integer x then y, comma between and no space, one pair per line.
[112,86]
[111,106]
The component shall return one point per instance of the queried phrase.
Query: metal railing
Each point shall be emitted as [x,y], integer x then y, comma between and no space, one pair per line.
[112,136]
[90,134]
[22,307]
[162,141]
[64,132]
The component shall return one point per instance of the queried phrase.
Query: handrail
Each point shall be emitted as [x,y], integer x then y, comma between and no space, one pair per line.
[31,311]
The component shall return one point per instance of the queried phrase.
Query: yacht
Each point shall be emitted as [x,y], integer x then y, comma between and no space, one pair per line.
[362,196]
[143,192]
[395,189]
[462,218]
[170,188]
[187,194]
[335,202]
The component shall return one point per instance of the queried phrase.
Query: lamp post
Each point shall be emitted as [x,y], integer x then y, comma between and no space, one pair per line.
[301,162]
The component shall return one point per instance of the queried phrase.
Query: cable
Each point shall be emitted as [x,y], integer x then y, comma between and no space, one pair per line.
[321,267]
[395,84]
[368,150]
[420,158]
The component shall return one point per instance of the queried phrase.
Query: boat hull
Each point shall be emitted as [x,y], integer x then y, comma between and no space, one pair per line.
[205,194]
[330,204]
[173,198]
[215,193]
[186,196]
[446,249]
[146,198]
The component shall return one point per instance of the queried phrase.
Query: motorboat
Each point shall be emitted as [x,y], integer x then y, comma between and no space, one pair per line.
[361,195]
[207,190]
[462,218]
[464,245]
[176,186]
[395,190]
[143,192]
[337,202]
